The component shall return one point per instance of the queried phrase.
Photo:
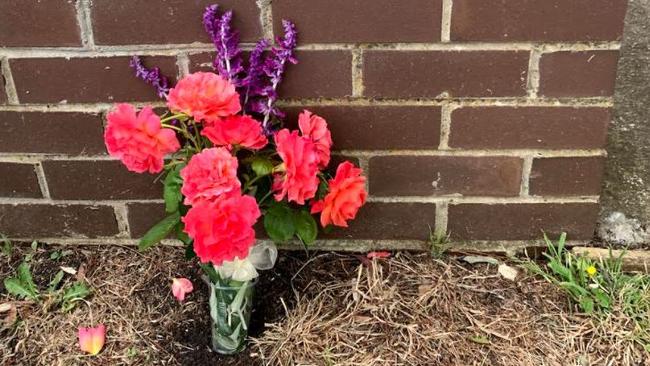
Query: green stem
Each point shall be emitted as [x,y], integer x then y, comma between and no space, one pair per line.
[173,116]
[267,195]
[250,182]
[172,127]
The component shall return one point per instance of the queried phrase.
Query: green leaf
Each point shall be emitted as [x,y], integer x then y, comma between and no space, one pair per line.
[55,281]
[55,255]
[323,188]
[480,339]
[7,246]
[76,292]
[279,223]
[25,276]
[306,228]
[189,251]
[160,231]
[262,166]
[15,287]
[172,189]
[586,304]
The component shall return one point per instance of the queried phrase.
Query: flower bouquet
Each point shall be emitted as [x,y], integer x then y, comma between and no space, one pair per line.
[226,161]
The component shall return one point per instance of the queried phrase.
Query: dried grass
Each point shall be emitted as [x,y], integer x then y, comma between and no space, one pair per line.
[130,295]
[409,310]
[418,311]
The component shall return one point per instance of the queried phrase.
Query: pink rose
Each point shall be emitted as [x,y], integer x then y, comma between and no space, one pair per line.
[138,139]
[205,96]
[236,130]
[315,128]
[222,230]
[299,181]
[347,193]
[209,174]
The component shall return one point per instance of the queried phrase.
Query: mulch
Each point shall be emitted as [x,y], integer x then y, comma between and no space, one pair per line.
[312,308]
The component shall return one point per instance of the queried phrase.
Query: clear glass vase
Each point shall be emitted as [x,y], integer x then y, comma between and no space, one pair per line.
[231,303]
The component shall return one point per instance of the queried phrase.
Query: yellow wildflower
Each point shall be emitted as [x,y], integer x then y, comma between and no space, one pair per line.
[591,271]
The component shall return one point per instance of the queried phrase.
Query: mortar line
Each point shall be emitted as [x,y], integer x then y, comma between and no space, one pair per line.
[477,153]
[526,169]
[122,217]
[468,102]
[11,157]
[532,82]
[456,102]
[445,28]
[364,164]
[107,202]
[442,217]
[85,24]
[357,73]
[196,47]
[183,64]
[445,126]
[348,245]
[9,85]
[42,180]
[458,199]
[450,199]
[266,18]
[93,108]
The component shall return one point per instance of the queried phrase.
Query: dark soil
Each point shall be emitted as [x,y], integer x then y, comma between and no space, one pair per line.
[274,287]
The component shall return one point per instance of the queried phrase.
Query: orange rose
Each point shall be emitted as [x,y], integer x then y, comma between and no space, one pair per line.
[347,193]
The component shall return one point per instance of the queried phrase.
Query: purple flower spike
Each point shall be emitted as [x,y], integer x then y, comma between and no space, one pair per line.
[274,68]
[227,62]
[151,76]
[254,83]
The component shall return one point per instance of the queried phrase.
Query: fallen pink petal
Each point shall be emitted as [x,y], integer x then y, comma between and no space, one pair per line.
[181,287]
[91,340]
[378,255]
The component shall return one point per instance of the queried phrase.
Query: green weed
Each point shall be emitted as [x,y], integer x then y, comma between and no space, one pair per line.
[599,287]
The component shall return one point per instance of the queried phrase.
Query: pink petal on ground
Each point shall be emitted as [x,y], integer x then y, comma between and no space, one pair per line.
[181,287]
[372,255]
[92,340]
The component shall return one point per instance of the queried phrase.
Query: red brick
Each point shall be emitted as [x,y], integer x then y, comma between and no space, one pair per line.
[403,74]
[377,127]
[578,74]
[166,21]
[534,20]
[18,180]
[84,80]
[98,180]
[445,175]
[142,216]
[326,74]
[567,176]
[202,62]
[359,21]
[51,133]
[388,221]
[46,220]
[529,128]
[39,23]
[522,221]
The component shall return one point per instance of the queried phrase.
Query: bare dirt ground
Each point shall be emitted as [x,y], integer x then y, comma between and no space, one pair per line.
[316,309]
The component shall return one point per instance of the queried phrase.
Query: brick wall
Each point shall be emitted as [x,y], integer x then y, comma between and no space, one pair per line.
[483,119]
